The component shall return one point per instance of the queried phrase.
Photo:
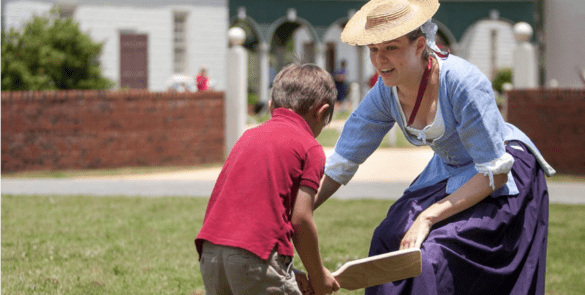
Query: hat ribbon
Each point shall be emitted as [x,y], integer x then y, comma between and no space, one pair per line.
[421,91]
[377,20]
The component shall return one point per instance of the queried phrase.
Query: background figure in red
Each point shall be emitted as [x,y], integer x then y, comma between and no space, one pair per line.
[202,79]
[373,79]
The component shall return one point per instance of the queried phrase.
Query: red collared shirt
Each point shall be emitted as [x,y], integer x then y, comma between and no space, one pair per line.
[252,201]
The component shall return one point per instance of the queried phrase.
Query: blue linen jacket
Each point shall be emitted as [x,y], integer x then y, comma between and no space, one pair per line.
[475,132]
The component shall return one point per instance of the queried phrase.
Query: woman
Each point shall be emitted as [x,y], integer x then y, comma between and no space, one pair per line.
[479,210]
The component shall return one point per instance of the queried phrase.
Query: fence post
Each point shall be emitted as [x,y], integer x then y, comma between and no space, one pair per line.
[354,95]
[236,94]
[524,74]
[506,87]
[264,73]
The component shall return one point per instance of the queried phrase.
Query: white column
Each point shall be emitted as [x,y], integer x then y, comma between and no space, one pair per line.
[264,73]
[354,95]
[236,92]
[320,49]
[360,71]
[524,73]
[505,88]
[392,136]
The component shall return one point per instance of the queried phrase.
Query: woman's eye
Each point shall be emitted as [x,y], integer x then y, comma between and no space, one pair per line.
[390,47]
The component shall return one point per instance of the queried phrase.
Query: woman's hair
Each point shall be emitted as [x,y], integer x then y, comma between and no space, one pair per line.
[412,36]
[303,88]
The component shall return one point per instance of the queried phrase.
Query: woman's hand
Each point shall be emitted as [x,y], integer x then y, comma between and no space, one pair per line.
[417,233]
[472,192]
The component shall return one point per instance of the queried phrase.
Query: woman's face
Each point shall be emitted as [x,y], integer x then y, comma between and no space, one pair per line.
[395,61]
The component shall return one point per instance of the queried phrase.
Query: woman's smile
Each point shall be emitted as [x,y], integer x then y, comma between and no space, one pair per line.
[387,74]
[386,71]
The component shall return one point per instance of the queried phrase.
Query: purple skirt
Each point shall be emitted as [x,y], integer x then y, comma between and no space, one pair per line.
[495,247]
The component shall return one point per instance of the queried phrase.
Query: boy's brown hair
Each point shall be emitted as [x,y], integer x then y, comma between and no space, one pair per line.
[303,88]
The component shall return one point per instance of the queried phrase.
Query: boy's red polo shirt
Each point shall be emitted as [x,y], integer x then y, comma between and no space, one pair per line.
[252,201]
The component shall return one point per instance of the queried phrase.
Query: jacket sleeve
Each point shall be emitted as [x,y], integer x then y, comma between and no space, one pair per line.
[362,134]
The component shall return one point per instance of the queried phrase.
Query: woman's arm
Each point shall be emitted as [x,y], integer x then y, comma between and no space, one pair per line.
[481,129]
[471,193]
[362,133]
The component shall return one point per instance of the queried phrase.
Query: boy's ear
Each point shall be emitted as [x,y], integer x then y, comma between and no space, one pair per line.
[321,111]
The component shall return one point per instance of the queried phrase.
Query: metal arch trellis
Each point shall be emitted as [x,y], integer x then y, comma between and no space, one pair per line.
[255,27]
[300,20]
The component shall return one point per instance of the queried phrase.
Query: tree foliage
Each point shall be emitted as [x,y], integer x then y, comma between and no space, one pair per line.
[502,76]
[50,53]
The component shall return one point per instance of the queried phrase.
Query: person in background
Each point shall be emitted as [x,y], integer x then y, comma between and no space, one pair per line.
[373,79]
[271,74]
[264,196]
[202,79]
[178,87]
[479,210]
[340,77]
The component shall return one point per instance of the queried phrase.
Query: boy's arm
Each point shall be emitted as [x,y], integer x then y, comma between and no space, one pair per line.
[307,244]
[327,189]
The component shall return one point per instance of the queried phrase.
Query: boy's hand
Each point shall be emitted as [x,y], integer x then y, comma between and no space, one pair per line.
[327,284]
[303,282]
[307,244]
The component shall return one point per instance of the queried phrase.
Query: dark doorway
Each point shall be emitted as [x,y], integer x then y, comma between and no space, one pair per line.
[330,57]
[133,61]
[309,52]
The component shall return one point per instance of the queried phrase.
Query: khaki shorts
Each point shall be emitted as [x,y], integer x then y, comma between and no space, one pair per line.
[228,270]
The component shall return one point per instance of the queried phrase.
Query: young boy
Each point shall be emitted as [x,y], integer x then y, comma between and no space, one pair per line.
[264,195]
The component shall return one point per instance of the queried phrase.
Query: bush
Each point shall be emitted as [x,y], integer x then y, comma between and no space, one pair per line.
[51,53]
[502,76]
[252,98]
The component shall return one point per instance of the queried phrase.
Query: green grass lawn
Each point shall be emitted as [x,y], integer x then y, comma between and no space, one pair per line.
[133,245]
[328,138]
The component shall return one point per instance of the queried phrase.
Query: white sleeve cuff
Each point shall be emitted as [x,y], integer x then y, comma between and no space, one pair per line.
[339,168]
[502,165]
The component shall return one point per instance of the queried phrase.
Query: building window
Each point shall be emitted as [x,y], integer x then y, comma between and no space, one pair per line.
[180,43]
[65,9]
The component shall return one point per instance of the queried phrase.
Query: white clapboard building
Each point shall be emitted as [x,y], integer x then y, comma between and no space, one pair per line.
[146,43]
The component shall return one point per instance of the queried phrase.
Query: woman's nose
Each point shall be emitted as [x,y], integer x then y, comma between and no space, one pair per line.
[380,57]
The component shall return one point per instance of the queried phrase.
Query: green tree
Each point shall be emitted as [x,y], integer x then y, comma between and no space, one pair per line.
[50,53]
[502,76]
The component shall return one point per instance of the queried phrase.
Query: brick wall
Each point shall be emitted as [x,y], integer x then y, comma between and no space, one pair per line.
[555,120]
[60,130]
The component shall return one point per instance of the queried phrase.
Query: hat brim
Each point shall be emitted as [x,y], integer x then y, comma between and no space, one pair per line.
[356,33]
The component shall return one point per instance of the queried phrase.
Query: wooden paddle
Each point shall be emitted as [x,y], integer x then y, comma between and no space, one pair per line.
[379,269]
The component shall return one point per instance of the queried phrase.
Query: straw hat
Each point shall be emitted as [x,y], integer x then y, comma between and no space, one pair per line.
[384,20]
